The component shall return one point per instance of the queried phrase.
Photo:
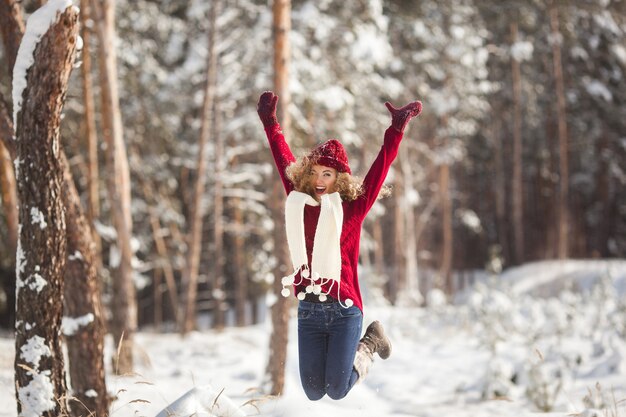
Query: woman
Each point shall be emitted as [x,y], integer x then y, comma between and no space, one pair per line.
[324,212]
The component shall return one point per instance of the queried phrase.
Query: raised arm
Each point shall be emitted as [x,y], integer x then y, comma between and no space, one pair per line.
[377,173]
[266,108]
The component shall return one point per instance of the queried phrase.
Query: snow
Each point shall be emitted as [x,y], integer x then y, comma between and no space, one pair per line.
[106,232]
[544,335]
[522,51]
[70,325]
[605,20]
[202,402]
[20,259]
[334,98]
[620,52]
[470,219]
[76,256]
[598,89]
[370,49]
[33,350]
[37,217]
[17,163]
[551,277]
[38,396]
[35,282]
[36,26]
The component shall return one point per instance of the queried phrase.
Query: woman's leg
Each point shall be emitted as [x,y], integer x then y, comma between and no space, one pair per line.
[344,335]
[312,348]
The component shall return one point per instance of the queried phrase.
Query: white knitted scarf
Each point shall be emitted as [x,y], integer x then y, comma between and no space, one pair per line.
[326,259]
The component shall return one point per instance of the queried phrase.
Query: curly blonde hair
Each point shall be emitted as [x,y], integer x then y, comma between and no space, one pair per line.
[348,186]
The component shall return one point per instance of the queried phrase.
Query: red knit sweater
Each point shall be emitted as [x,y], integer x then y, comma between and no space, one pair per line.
[353,211]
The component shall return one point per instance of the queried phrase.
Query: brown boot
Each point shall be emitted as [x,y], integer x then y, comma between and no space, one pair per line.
[376,341]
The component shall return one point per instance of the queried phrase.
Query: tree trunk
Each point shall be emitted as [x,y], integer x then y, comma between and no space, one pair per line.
[157,296]
[85,342]
[168,272]
[379,248]
[517,185]
[410,288]
[600,245]
[219,286]
[241,282]
[12,28]
[164,259]
[500,188]
[124,304]
[8,186]
[445,267]
[39,365]
[190,277]
[93,201]
[281,11]
[399,261]
[85,349]
[280,310]
[563,206]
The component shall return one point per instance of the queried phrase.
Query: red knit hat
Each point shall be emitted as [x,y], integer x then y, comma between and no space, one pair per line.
[331,154]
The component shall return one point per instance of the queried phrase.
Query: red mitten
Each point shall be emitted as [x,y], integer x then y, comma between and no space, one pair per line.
[266,108]
[401,117]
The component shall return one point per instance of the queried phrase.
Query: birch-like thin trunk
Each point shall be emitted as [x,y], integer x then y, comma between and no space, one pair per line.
[124,304]
[280,310]
[190,273]
[41,252]
[563,206]
[517,180]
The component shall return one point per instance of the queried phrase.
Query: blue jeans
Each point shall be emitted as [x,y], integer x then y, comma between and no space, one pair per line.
[328,336]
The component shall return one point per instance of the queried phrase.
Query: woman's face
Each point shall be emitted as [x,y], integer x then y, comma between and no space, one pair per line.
[323,180]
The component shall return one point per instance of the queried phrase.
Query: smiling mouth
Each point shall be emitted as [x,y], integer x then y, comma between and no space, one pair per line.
[320,190]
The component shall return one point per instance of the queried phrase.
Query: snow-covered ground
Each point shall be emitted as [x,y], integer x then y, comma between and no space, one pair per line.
[548,334]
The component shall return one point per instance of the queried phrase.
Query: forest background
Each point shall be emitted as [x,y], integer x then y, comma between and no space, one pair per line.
[518,156]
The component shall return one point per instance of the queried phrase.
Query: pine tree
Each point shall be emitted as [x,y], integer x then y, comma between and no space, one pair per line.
[41,252]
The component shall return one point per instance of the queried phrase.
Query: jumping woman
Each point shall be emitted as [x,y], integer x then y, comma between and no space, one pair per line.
[324,212]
